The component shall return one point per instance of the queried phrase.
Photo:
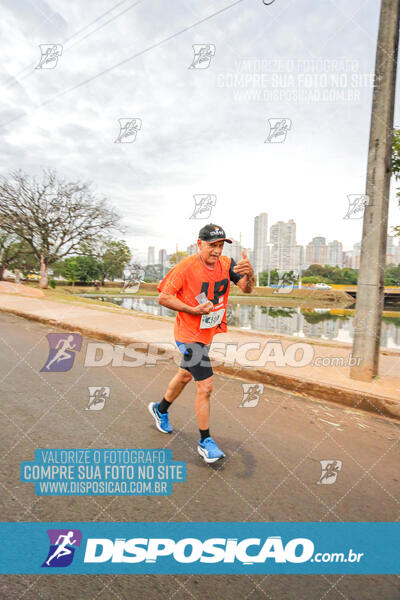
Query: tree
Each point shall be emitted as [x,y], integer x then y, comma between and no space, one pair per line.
[70,269]
[53,216]
[113,256]
[349,276]
[27,261]
[78,268]
[263,277]
[396,169]
[392,275]
[396,157]
[15,254]
[9,250]
[329,274]
[177,257]
[315,271]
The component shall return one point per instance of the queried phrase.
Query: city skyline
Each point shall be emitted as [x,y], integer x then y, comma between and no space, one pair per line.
[276,247]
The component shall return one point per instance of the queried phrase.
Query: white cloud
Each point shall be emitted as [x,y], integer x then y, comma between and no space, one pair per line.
[196,135]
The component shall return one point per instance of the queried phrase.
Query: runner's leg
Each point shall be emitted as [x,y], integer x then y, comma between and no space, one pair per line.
[202,402]
[177,384]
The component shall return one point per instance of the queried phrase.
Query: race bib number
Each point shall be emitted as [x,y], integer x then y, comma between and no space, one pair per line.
[212,319]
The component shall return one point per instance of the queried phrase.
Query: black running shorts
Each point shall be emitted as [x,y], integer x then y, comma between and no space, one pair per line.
[195,359]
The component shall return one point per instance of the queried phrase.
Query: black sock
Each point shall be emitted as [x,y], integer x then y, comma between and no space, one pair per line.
[205,433]
[164,406]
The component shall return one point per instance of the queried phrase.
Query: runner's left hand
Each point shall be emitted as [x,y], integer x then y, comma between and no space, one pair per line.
[243,267]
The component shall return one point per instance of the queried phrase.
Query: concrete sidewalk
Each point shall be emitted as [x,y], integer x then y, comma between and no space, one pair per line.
[331,382]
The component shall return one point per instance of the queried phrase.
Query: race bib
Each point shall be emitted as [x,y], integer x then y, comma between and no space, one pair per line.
[212,319]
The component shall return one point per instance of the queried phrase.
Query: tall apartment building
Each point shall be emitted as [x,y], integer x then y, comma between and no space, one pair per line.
[162,260]
[397,253]
[151,251]
[249,254]
[355,263]
[233,250]
[335,252]
[260,242]
[347,259]
[284,246]
[390,251]
[317,252]
[300,258]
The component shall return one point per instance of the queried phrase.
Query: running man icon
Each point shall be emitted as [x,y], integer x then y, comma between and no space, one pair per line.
[61,551]
[62,351]
[97,397]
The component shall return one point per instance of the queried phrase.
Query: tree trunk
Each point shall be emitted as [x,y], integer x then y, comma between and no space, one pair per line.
[2,269]
[44,273]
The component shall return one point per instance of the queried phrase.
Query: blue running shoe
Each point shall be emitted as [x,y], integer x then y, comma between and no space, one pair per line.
[209,450]
[161,419]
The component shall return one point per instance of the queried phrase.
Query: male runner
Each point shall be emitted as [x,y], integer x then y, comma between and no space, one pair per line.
[210,273]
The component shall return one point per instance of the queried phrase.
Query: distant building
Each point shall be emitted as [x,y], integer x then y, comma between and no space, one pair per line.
[249,254]
[162,260]
[317,252]
[335,252]
[390,251]
[260,243]
[233,250]
[397,253]
[151,259]
[300,258]
[284,247]
[347,259]
[355,263]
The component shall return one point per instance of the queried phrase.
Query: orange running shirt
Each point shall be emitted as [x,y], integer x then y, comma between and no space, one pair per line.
[189,278]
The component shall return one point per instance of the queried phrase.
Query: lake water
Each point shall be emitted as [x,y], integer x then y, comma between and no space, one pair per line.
[322,323]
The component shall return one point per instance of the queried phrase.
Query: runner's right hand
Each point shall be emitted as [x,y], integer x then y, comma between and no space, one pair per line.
[203,309]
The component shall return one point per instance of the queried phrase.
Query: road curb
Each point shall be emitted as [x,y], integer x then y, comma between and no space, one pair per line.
[373,403]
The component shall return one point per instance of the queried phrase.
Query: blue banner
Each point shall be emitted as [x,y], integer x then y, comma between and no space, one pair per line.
[103,472]
[208,548]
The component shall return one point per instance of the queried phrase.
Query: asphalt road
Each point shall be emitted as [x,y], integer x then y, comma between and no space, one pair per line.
[270,473]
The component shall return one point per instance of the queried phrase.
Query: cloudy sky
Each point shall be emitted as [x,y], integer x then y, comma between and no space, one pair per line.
[203,130]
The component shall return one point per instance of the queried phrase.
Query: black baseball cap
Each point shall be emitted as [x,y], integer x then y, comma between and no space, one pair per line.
[212,233]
